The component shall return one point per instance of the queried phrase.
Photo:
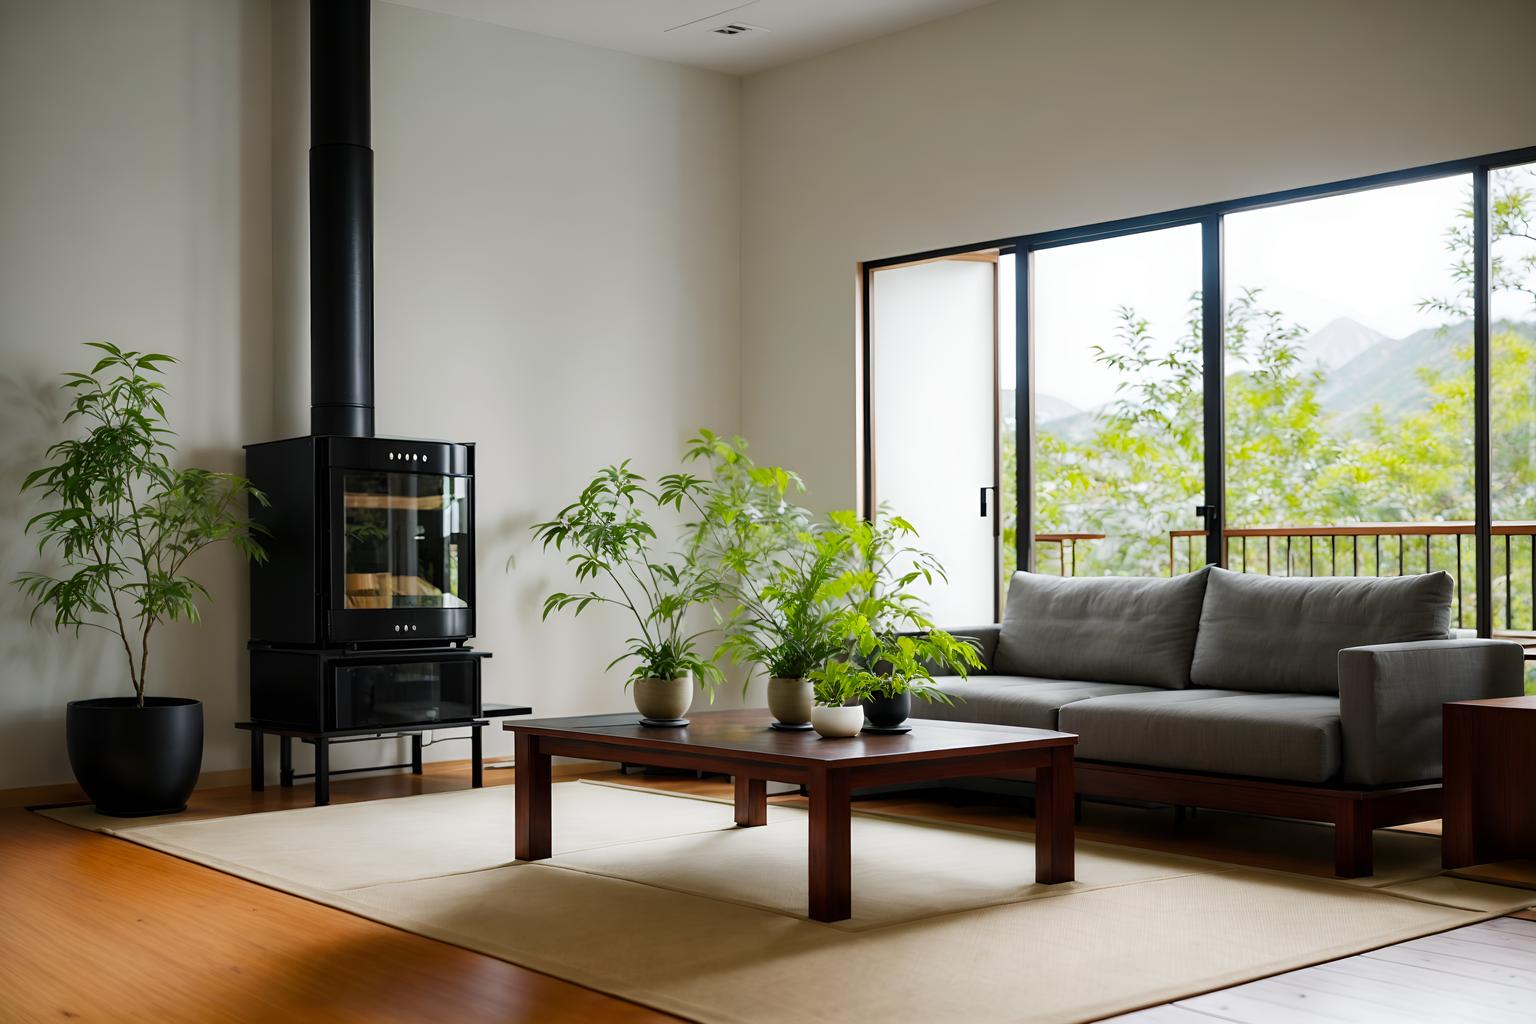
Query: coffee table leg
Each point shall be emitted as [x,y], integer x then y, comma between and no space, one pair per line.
[751,801]
[531,799]
[1054,824]
[831,885]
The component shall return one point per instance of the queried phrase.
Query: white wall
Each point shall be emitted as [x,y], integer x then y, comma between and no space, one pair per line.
[1029,115]
[556,258]
[134,208]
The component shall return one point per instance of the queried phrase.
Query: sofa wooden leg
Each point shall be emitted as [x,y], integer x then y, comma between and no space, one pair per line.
[1352,840]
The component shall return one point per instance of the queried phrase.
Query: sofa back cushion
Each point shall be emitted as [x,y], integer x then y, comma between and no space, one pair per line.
[1108,629]
[1283,635]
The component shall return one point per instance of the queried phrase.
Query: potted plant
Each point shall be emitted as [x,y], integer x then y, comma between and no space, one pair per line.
[608,539]
[124,522]
[885,623]
[774,570]
[839,686]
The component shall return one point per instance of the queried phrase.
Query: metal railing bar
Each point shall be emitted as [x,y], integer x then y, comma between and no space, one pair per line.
[1509,593]
[1461,617]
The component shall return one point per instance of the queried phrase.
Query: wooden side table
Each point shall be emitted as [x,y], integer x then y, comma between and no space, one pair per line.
[1490,762]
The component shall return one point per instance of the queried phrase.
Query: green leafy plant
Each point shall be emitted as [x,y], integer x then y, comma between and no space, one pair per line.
[892,645]
[775,568]
[839,682]
[608,538]
[124,521]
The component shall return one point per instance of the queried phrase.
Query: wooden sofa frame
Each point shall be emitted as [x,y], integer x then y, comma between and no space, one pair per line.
[1353,811]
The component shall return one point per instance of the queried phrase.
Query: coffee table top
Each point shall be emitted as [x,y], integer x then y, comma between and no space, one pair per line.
[745,734]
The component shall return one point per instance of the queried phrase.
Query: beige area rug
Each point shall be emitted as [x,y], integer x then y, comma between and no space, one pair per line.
[659,899]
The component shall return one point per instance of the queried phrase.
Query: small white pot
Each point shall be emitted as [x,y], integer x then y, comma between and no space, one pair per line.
[664,700]
[790,700]
[837,723]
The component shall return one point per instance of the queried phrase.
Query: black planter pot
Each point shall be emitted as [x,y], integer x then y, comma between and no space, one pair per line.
[887,712]
[134,761]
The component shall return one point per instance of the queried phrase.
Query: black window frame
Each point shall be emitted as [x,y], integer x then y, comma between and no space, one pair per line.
[1211,218]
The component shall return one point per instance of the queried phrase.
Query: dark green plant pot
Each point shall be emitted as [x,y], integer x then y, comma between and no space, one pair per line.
[887,712]
[134,761]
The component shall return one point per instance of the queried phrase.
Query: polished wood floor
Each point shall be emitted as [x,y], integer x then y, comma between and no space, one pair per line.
[93,928]
[1482,974]
[96,929]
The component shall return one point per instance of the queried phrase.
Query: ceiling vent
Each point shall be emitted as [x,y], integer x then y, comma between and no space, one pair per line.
[735,29]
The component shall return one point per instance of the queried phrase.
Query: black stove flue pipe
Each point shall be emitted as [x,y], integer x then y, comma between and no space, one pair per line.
[340,220]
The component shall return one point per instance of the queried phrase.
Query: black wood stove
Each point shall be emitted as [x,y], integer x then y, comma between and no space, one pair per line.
[360,620]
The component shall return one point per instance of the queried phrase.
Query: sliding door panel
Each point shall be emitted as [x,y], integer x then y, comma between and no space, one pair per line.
[933,352]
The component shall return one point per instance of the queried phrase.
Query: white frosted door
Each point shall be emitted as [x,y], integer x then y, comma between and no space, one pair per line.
[933,352]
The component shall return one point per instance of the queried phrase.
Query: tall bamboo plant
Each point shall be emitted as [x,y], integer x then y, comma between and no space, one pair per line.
[123,521]
[608,540]
[775,566]
[892,645]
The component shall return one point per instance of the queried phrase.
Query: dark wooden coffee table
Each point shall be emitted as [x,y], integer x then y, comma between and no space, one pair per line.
[739,743]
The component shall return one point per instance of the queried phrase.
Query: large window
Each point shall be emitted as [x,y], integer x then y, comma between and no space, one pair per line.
[1511,209]
[1118,397]
[1288,384]
[1348,387]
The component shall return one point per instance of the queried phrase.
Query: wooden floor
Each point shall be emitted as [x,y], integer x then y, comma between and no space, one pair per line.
[1482,974]
[93,928]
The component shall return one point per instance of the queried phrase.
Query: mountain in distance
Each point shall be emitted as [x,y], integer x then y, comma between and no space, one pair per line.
[1388,374]
[1339,341]
[1049,407]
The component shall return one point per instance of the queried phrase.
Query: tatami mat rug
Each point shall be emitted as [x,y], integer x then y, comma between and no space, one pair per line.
[659,899]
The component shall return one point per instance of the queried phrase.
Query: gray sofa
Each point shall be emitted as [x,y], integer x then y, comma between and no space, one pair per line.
[1312,698]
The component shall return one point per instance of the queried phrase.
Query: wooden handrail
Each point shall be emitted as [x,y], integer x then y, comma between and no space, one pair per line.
[1436,529]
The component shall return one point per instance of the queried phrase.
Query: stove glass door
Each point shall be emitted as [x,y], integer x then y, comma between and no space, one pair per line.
[406,540]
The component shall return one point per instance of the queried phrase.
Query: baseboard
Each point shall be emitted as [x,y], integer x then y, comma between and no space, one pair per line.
[70,793]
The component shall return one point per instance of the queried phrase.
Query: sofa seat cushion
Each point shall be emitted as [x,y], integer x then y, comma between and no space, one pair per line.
[1014,700]
[1293,737]
[1273,634]
[1114,629]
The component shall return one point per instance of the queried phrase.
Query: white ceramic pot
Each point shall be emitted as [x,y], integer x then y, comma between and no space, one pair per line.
[664,699]
[790,700]
[836,723]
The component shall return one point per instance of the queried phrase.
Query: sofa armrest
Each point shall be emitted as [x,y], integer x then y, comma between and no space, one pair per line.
[986,639]
[1390,698]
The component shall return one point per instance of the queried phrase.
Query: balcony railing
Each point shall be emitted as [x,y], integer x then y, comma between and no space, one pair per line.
[1066,549]
[1382,549]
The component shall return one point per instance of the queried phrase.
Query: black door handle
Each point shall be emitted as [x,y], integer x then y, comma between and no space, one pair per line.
[997,520]
[1206,512]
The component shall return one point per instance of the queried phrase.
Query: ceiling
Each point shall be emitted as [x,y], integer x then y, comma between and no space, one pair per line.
[683,31]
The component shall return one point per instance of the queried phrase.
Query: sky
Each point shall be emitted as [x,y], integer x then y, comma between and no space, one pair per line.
[1370,256]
